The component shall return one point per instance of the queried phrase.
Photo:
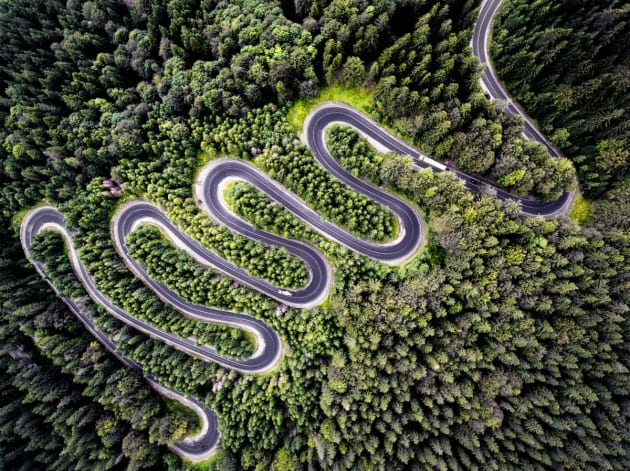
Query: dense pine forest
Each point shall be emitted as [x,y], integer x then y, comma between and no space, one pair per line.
[567,63]
[504,343]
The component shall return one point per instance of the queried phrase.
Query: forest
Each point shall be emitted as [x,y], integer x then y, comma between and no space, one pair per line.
[571,72]
[504,343]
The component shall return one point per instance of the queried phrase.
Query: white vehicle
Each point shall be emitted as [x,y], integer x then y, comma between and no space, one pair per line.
[284,292]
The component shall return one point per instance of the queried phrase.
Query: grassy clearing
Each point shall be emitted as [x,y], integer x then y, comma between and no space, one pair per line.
[205,155]
[214,463]
[581,211]
[360,98]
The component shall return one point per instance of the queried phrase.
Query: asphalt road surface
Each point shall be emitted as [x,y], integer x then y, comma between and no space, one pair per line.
[494,89]
[208,191]
[391,252]
[195,448]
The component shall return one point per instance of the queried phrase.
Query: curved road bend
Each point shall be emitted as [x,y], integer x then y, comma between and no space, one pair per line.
[194,448]
[130,215]
[208,189]
[492,86]
[210,185]
[269,348]
[332,112]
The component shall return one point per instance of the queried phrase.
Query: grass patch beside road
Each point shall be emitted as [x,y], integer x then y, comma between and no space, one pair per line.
[218,461]
[360,98]
[581,210]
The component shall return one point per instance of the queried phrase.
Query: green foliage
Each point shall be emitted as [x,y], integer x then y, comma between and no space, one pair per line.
[427,90]
[353,152]
[221,461]
[284,461]
[563,61]
[258,208]
[581,211]
[268,138]
[610,213]
[177,271]
[503,345]
[484,358]
[83,406]
[299,172]
[359,98]
[512,178]
[353,72]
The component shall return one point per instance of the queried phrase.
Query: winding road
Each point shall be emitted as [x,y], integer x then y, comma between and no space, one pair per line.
[493,88]
[195,448]
[208,190]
